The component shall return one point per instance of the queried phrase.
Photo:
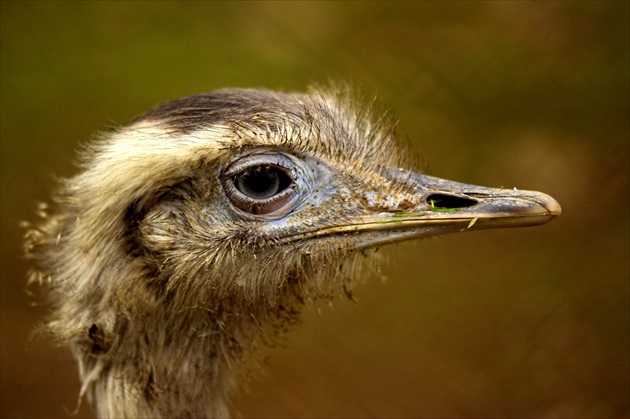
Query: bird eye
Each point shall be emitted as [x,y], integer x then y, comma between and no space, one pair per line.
[261,182]
[258,187]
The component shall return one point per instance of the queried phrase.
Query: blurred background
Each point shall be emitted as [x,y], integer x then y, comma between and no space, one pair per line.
[535,95]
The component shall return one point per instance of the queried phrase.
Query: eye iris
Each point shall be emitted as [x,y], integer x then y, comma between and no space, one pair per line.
[260,183]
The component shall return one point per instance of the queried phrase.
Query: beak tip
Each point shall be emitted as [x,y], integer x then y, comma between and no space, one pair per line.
[552,206]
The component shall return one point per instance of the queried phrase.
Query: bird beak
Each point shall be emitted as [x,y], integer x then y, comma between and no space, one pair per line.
[441,206]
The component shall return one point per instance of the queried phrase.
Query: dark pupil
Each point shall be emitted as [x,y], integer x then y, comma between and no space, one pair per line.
[262,182]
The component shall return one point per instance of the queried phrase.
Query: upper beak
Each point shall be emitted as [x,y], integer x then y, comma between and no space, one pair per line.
[491,207]
[442,206]
[431,206]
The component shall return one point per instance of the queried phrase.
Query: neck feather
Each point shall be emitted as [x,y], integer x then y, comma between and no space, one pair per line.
[178,363]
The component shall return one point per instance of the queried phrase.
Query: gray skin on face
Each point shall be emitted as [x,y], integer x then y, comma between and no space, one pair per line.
[193,236]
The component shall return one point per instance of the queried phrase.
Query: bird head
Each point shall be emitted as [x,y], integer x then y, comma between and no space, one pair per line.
[232,198]
[194,233]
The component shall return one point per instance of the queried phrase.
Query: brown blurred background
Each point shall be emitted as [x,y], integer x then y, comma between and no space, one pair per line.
[535,95]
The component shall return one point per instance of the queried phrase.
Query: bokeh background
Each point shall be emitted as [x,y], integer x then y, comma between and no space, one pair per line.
[535,95]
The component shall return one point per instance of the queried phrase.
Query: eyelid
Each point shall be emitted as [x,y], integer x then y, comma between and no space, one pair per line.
[244,163]
[274,205]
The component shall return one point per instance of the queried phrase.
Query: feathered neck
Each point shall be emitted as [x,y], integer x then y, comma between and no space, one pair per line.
[179,363]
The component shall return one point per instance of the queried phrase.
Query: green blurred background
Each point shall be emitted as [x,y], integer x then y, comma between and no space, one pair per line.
[535,95]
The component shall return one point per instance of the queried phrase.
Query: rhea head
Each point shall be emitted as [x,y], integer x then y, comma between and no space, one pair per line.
[194,234]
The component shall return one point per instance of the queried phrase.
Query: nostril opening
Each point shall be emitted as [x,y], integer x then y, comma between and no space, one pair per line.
[444,201]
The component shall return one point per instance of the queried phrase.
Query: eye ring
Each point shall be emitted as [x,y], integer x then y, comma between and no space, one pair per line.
[261,185]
